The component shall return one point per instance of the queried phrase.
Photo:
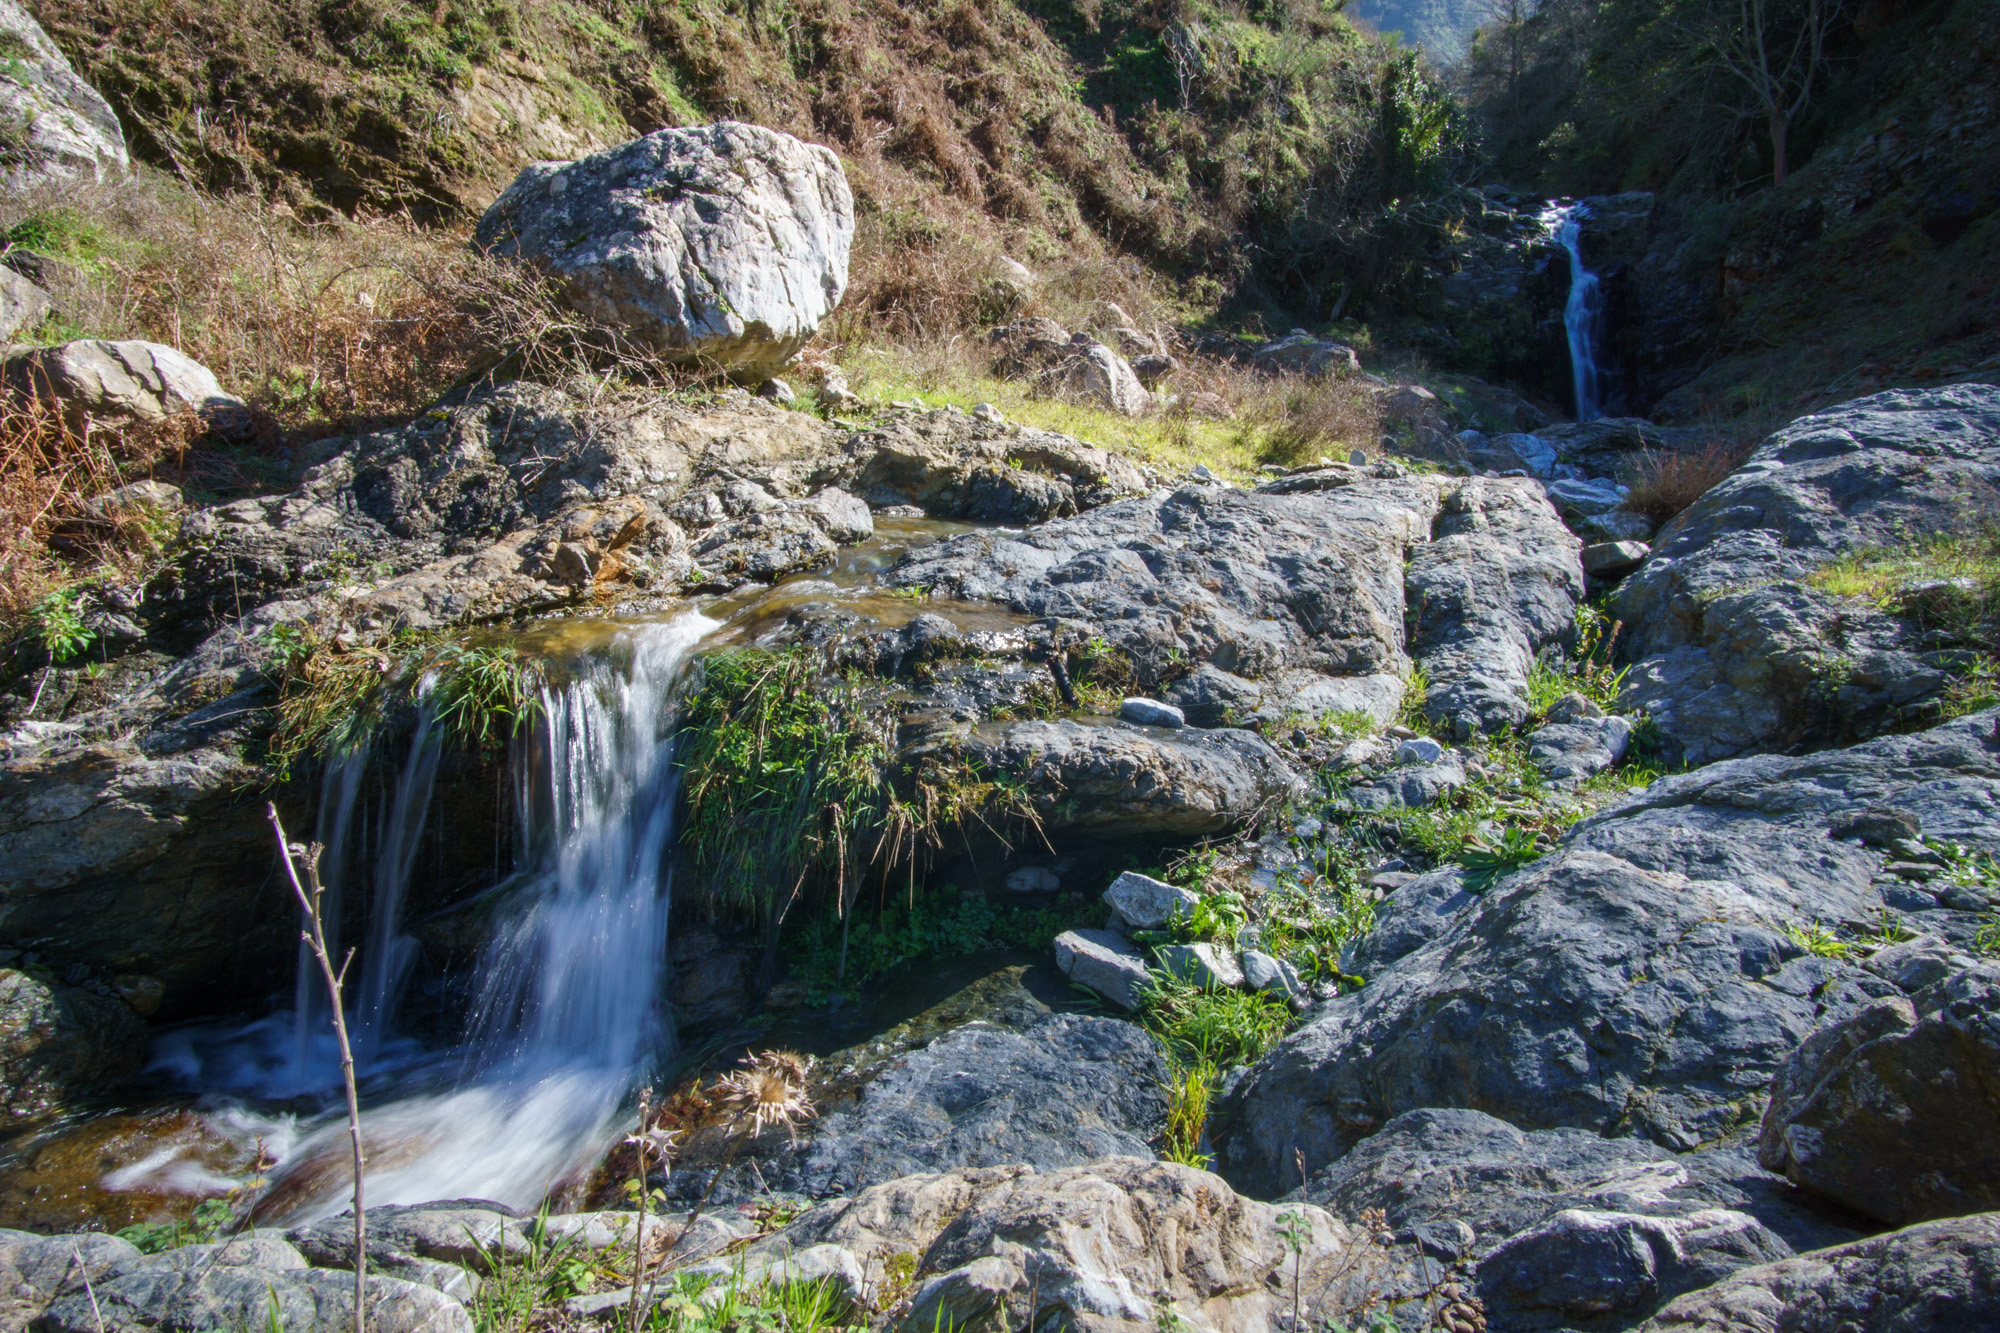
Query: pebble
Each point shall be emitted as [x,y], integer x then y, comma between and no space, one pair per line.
[1152,713]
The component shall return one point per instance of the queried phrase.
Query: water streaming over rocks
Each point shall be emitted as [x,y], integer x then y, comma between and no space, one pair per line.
[566,1018]
[1583,314]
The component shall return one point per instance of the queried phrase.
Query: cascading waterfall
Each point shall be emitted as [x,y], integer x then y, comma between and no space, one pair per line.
[1583,314]
[567,1016]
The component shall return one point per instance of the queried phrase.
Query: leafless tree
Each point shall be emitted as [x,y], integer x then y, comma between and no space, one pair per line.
[1777,50]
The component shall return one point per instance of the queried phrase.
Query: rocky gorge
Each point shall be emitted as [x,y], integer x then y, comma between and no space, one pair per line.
[900,867]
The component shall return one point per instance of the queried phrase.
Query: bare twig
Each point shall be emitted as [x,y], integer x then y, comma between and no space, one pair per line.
[307,855]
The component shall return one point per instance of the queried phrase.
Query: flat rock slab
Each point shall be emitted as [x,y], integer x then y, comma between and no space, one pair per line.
[155,1296]
[1066,1090]
[1128,782]
[1106,962]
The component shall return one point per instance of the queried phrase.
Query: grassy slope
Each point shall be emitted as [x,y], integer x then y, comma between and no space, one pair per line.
[1055,130]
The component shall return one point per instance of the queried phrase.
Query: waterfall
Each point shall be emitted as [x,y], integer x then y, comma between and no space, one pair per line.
[1583,314]
[567,1015]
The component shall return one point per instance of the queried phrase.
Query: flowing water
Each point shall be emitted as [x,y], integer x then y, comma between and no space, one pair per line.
[565,1019]
[566,1016]
[1583,315]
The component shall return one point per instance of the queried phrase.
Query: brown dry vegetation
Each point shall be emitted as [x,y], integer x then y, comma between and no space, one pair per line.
[1669,482]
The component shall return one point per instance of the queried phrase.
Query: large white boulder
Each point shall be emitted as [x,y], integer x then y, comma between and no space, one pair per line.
[724,244]
[52,123]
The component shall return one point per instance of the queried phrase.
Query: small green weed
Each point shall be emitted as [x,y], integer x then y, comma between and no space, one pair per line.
[1820,942]
[525,1289]
[1486,860]
[60,626]
[210,1218]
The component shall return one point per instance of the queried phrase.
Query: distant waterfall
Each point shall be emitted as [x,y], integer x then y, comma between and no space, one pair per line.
[1583,315]
[567,1016]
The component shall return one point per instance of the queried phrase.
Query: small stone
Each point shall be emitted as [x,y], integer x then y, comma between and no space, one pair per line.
[1034,879]
[1151,713]
[1202,473]
[1912,870]
[988,413]
[1610,560]
[777,391]
[1202,965]
[1400,733]
[1420,750]
[1273,976]
[1104,961]
[1390,880]
[1357,457]
[1573,707]
[1144,903]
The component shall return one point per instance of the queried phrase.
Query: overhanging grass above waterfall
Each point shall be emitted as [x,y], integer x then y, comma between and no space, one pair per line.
[791,787]
[330,697]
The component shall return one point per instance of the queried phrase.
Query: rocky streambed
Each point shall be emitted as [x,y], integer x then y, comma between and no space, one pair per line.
[1705,1043]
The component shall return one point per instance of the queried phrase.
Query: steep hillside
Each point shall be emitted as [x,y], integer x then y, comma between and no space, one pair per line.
[1218,143]
[1873,259]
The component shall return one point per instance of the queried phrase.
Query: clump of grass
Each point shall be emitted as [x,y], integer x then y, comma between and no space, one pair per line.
[1819,941]
[1189,1091]
[1948,581]
[1669,481]
[331,698]
[787,786]
[1587,670]
[1219,1028]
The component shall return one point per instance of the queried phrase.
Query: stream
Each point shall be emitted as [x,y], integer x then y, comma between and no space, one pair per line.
[565,1019]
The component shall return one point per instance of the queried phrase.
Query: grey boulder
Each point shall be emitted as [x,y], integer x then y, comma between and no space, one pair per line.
[119,384]
[1640,978]
[1145,903]
[1734,651]
[22,303]
[169,1295]
[65,128]
[1110,1246]
[1937,1277]
[1127,783]
[58,1042]
[1067,1089]
[723,244]
[1104,961]
[1895,1112]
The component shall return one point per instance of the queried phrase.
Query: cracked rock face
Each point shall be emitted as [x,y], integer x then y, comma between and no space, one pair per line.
[726,243]
[1638,980]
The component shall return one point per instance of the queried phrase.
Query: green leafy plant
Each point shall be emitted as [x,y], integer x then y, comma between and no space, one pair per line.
[205,1223]
[1216,916]
[59,626]
[1986,940]
[1486,860]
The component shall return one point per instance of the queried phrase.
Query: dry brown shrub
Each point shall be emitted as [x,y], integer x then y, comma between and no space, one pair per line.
[1670,481]
[1291,420]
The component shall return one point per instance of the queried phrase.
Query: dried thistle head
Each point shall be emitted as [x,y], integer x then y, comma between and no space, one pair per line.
[769,1090]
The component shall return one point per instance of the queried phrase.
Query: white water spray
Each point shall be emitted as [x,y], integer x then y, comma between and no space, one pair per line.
[567,1016]
[1583,314]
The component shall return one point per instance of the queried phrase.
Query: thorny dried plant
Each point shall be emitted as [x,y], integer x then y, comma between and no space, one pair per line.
[769,1090]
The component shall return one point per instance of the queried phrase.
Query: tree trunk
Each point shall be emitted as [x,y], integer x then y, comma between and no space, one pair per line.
[1779,126]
